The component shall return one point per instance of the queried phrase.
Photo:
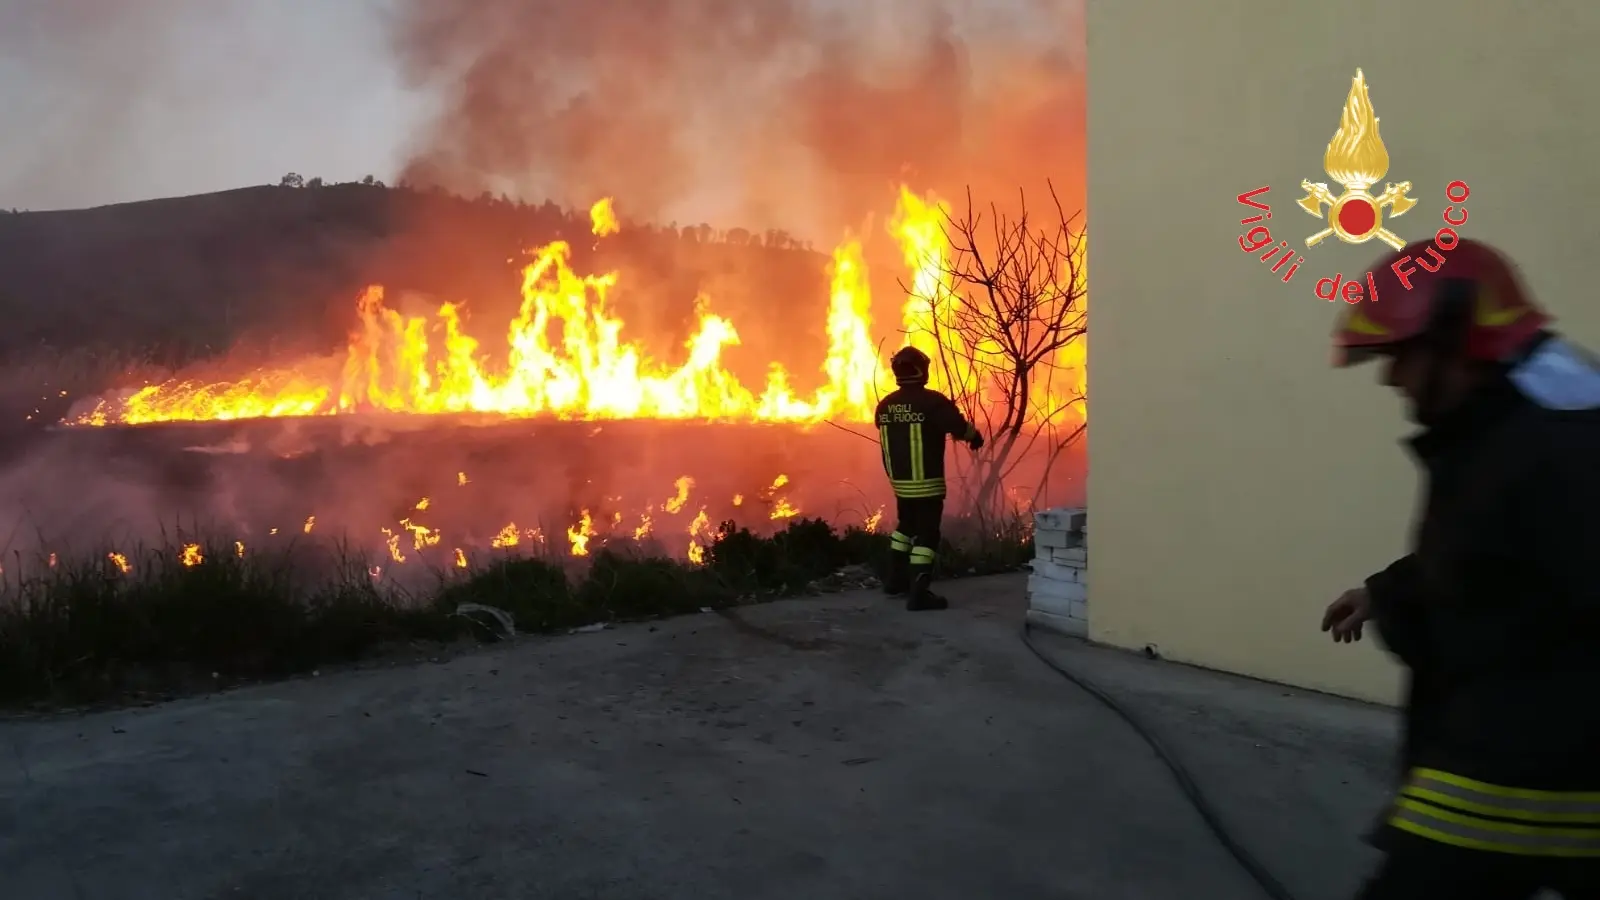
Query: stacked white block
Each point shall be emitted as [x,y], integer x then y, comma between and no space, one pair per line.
[1058,589]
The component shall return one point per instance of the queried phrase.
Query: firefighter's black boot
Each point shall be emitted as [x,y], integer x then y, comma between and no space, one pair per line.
[897,576]
[922,599]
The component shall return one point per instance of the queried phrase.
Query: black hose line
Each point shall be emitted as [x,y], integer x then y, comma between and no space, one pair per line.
[1186,783]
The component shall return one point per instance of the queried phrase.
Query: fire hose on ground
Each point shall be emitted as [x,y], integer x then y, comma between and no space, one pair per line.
[1186,782]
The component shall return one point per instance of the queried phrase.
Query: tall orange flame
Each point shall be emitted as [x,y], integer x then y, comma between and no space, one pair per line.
[567,356]
[603,218]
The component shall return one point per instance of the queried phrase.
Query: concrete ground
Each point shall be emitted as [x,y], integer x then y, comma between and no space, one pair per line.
[825,748]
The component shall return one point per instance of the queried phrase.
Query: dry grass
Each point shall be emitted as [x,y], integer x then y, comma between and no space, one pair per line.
[91,629]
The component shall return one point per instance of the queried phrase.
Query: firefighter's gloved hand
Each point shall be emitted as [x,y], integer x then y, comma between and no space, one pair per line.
[976,442]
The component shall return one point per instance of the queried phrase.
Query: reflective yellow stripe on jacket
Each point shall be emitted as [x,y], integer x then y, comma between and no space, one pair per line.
[1477,815]
[918,485]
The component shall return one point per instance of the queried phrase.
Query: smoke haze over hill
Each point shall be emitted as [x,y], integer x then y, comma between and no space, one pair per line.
[791,113]
[781,114]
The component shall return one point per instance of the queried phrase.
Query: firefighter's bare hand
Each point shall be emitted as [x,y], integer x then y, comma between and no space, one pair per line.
[1345,616]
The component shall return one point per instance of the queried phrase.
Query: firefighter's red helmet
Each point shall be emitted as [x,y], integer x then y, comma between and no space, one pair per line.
[910,366]
[1502,321]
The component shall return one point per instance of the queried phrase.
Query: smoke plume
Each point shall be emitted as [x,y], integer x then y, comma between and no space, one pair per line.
[795,114]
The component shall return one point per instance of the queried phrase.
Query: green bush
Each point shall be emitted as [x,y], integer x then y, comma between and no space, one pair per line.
[99,628]
[805,550]
[620,588]
[534,592]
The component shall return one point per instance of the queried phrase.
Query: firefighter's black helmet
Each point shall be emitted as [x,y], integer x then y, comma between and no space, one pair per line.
[910,367]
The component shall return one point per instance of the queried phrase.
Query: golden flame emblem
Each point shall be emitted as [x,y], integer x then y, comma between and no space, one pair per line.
[1356,159]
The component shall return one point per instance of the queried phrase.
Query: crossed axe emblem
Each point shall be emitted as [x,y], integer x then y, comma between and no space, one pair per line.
[1356,216]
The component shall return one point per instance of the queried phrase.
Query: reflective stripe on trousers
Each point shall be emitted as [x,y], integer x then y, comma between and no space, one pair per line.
[1477,815]
[926,487]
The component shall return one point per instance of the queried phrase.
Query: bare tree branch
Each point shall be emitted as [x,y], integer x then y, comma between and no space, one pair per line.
[1010,299]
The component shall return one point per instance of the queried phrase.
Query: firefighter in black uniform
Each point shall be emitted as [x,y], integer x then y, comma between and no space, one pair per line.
[912,425]
[1495,612]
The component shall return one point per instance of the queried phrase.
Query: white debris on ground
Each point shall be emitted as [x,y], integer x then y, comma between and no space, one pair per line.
[1058,589]
[482,615]
[849,578]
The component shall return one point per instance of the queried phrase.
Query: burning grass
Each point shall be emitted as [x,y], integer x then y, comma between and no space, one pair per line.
[569,354]
[193,615]
[562,475]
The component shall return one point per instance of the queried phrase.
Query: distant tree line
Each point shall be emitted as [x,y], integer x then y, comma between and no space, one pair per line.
[702,233]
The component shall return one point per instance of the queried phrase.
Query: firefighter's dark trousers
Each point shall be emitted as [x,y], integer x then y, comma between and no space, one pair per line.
[913,549]
[917,529]
[1417,871]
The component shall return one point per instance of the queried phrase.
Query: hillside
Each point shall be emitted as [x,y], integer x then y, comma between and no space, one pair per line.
[180,279]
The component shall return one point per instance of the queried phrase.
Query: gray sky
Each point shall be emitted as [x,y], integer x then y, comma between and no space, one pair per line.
[104,101]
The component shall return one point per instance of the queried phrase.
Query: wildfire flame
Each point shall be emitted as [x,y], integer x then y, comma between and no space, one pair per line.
[781,507]
[578,535]
[699,530]
[918,227]
[509,536]
[1356,157]
[397,363]
[603,218]
[566,354]
[676,502]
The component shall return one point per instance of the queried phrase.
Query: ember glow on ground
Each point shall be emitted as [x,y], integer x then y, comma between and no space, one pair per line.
[410,538]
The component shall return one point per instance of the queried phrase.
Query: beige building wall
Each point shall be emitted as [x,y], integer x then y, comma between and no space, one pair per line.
[1239,483]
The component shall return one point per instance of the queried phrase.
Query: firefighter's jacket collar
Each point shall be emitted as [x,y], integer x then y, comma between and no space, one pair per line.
[1557,375]
[1551,374]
